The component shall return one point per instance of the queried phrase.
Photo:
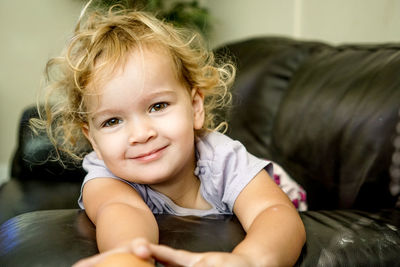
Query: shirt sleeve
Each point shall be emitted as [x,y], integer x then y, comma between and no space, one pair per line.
[231,168]
[95,168]
[240,169]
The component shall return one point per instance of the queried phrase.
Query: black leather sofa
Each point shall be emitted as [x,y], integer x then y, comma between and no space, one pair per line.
[327,114]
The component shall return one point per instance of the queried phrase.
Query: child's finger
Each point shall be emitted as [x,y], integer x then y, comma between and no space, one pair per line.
[91,261]
[174,256]
[138,246]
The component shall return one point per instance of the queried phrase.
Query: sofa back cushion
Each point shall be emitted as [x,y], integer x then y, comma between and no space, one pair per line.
[326,113]
[34,158]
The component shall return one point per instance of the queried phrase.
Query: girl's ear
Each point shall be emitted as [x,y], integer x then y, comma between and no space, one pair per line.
[86,132]
[198,108]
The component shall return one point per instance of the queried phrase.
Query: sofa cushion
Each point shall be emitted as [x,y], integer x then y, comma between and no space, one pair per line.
[325,113]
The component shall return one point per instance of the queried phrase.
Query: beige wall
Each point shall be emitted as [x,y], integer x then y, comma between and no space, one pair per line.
[238,19]
[33,31]
[341,21]
[335,21]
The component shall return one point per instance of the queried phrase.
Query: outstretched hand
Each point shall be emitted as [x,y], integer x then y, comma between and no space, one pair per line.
[171,257]
[174,257]
[138,247]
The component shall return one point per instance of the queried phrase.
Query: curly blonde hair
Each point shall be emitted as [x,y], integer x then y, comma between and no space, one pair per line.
[108,38]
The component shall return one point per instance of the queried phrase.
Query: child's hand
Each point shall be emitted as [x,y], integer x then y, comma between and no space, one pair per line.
[123,260]
[138,247]
[173,257]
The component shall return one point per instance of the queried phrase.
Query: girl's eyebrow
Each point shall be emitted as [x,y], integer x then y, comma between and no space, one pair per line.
[159,93]
[146,97]
[102,113]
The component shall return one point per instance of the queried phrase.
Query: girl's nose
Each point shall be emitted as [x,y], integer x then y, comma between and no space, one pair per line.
[141,131]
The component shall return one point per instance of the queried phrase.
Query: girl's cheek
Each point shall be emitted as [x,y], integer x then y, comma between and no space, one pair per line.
[172,126]
[107,141]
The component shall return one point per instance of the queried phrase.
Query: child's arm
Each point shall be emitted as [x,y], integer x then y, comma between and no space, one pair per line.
[275,232]
[120,215]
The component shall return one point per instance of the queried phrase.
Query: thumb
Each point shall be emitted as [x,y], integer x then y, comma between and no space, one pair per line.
[174,257]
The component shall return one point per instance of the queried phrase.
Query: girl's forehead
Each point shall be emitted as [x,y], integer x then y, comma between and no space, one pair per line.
[151,64]
[106,68]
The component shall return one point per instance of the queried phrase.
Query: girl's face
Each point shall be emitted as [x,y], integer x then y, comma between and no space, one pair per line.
[142,124]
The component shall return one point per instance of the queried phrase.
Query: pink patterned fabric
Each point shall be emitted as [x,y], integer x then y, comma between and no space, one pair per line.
[293,190]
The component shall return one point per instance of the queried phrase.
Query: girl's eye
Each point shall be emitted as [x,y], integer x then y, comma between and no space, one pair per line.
[158,107]
[111,122]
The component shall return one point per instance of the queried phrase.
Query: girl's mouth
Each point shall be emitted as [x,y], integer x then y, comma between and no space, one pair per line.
[150,156]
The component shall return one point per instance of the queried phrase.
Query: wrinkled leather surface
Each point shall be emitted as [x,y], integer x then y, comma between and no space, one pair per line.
[326,113]
[35,154]
[17,197]
[334,238]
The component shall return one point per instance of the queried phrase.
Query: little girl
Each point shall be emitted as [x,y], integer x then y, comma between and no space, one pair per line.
[142,95]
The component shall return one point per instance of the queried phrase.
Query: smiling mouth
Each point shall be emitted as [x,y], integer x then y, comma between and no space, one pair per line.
[153,155]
